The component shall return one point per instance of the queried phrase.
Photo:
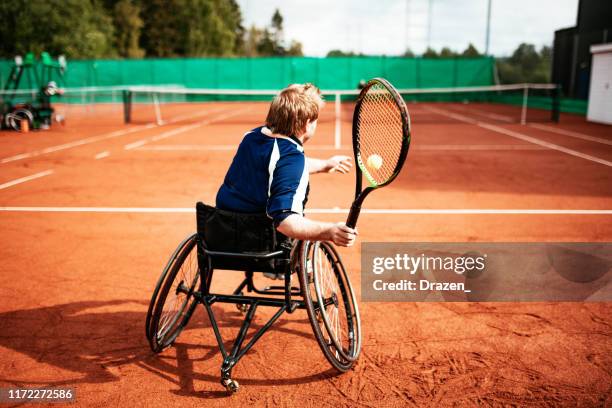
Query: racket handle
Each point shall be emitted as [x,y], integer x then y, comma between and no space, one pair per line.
[351,221]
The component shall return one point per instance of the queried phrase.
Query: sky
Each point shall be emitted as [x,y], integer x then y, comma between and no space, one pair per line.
[390,26]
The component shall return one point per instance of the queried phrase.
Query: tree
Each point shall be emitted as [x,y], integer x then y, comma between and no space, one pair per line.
[408,53]
[470,52]
[252,38]
[164,34]
[137,28]
[447,53]
[228,38]
[340,53]
[525,64]
[277,28]
[128,25]
[266,46]
[430,53]
[270,41]
[191,28]
[75,28]
[526,57]
[295,49]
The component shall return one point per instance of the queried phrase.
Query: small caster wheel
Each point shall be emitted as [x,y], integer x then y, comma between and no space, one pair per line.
[242,308]
[230,385]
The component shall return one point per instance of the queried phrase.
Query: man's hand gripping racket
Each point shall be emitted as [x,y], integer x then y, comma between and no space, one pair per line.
[381,138]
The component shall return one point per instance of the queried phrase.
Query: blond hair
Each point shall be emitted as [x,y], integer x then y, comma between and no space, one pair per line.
[292,108]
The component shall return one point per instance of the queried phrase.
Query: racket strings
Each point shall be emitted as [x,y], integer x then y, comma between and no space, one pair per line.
[381,133]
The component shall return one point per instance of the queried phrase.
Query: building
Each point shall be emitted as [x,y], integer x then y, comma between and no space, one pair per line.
[571,65]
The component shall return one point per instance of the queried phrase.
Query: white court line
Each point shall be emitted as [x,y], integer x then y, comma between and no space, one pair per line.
[161,136]
[433,147]
[24,179]
[76,143]
[490,115]
[187,147]
[461,211]
[181,148]
[477,147]
[164,135]
[102,155]
[183,129]
[571,134]
[523,137]
[94,139]
[546,144]
[378,211]
[456,116]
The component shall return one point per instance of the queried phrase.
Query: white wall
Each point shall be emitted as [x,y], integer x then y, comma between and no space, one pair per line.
[600,94]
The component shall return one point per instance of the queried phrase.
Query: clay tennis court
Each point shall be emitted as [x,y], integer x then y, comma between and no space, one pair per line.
[91,211]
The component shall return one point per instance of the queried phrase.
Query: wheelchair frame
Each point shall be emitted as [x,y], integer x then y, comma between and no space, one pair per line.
[283,297]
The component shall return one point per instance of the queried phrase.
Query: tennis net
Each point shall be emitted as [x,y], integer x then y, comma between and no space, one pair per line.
[517,103]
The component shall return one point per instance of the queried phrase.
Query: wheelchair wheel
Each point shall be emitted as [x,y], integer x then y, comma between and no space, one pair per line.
[331,303]
[173,303]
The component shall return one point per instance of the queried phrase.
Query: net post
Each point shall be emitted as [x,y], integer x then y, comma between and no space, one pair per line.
[524,108]
[337,132]
[556,103]
[127,106]
[158,117]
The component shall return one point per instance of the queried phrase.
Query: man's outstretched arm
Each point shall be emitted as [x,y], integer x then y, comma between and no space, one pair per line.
[298,227]
[340,164]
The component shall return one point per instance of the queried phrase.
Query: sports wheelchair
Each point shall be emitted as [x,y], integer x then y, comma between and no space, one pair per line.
[249,243]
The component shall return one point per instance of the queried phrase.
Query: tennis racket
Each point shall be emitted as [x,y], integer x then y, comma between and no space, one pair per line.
[381,138]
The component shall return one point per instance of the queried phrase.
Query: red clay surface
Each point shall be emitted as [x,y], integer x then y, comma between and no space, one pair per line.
[76,285]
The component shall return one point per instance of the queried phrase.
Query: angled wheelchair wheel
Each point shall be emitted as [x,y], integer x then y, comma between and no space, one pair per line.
[173,302]
[331,304]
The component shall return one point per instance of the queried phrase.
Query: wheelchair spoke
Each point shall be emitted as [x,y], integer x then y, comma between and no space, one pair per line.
[332,304]
[173,307]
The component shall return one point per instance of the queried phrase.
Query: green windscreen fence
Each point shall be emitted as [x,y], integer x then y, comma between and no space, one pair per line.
[338,73]
[276,73]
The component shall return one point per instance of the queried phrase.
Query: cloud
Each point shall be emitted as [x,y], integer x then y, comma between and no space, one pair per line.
[389,26]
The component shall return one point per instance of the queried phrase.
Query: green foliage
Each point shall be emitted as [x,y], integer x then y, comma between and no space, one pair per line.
[525,64]
[128,26]
[471,52]
[408,53]
[447,53]
[295,49]
[75,28]
[270,41]
[266,45]
[194,28]
[252,38]
[340,53]
[124,28]
[277,20]
[430,53]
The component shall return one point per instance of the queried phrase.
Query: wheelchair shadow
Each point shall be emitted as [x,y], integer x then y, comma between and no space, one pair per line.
[93,339]
[86,338]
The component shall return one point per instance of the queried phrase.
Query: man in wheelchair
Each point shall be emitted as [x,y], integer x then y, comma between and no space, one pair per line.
[258,215]
[270,173]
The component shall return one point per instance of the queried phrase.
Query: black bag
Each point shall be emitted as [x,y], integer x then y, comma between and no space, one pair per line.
[228,231]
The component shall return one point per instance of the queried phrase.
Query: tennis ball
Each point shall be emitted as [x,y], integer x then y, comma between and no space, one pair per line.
[374,161]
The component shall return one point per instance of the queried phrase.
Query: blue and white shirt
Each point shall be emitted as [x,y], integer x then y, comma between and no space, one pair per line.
[268,174]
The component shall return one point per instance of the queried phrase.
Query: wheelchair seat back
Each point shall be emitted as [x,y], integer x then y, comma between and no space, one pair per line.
[227,234]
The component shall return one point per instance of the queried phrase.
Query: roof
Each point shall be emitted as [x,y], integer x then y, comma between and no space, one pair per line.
[600,48]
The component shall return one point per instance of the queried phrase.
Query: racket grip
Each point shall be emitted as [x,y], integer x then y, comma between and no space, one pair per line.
[351,221]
